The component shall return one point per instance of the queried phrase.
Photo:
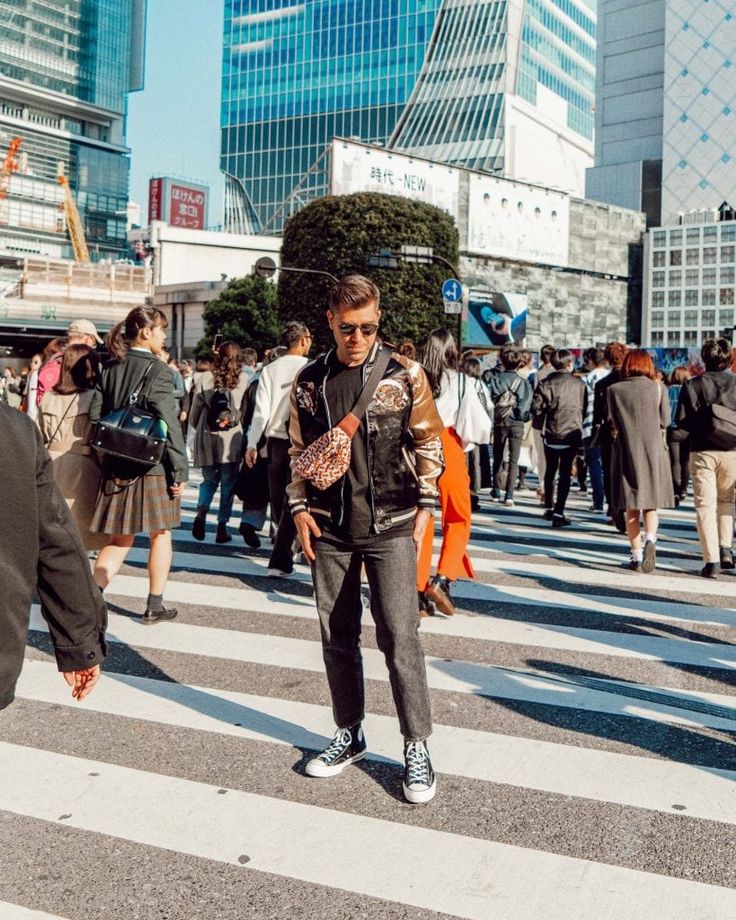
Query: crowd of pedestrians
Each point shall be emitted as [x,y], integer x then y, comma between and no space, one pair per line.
[354,450]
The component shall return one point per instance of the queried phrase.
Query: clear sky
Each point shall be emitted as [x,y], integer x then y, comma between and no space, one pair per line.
[174,123]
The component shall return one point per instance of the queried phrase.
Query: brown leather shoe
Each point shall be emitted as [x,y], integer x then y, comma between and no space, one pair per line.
[438,591]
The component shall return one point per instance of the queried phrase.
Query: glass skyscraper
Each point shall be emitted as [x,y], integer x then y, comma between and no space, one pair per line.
[501,85]
[65,69]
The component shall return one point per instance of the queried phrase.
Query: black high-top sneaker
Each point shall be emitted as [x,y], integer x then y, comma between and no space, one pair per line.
[420,783]
[346,747]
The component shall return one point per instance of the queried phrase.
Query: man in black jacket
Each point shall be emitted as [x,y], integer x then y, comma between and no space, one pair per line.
[558,408]
[374,515]
[713,469]
[40,550]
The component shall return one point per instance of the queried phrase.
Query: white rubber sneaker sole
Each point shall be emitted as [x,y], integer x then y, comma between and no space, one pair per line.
[420,796]
[316,767]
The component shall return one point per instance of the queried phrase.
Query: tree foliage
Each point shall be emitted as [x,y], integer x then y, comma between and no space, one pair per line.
[245,313]
[338,234]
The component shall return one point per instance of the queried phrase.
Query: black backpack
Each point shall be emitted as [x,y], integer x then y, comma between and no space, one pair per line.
[221,413]
[506,402]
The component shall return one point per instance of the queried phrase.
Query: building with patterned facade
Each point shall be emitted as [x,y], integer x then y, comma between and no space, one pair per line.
[66,67]
[504,86]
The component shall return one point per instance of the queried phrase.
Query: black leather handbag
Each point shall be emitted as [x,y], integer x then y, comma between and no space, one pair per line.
[132,433]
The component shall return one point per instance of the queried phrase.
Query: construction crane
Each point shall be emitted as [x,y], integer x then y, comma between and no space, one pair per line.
[74,222]
[10,165]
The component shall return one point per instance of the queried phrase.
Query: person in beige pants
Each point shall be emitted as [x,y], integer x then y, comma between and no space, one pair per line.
[712,464]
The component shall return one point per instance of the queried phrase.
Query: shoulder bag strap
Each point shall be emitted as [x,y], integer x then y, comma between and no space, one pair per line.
[352,420]
[135,395]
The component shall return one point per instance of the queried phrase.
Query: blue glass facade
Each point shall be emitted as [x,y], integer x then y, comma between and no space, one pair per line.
[428,77]
[66,67]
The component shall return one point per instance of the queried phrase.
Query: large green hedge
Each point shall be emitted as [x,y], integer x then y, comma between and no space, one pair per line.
[338,234]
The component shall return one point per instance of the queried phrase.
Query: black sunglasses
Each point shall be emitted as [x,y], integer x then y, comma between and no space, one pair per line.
[366,329]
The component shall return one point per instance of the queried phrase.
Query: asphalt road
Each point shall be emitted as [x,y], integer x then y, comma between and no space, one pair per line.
[584,740]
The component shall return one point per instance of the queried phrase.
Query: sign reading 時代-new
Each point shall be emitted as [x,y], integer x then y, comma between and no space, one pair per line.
[357,168]
[515,221]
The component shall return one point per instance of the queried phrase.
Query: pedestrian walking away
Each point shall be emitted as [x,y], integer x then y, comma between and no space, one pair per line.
[558,408]
[613,355]
[511,395]
[641,482]
[705,409]
[41,552]
[375,515]
[466,424]
[133,498]
[218,439]
[678,439]
[271,418]
[596,369]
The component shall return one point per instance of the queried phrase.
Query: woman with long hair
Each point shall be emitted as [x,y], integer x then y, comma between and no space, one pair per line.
[63,418]
[641,481]
[218,442]
[678,439]
[479,457]
[133,499]
[456,397]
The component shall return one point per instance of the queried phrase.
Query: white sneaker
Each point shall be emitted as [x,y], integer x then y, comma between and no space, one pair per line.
[279,573]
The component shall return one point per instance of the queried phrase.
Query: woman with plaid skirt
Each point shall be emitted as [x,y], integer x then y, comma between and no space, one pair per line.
[132,499]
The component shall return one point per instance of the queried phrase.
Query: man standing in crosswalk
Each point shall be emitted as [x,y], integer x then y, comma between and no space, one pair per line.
[374,515]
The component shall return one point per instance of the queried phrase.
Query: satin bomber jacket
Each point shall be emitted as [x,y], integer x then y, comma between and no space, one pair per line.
[405,458]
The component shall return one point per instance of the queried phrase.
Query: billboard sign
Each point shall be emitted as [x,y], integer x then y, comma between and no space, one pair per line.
[510,220]
[495,318]
[181,204]
[358,168]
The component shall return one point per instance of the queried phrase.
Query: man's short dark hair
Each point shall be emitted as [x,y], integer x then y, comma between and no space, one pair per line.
[562,358]
[593,357]
[353,291]
[546,352]
[511,357]
[716,354]
[250,357]
[293,332]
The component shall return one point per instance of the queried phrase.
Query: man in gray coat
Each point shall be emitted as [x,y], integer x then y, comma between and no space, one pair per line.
[41,551]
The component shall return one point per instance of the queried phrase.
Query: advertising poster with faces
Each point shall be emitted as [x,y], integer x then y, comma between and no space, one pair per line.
[514,221]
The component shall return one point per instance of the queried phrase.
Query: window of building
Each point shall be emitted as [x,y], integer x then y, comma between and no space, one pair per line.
[693,235]
[675,257]
[691,318]
[727,274]
[657,338]
[726,296]
[692,298]
[692,276]
[709,276]
[657,299]
[728,254]
[708,317]
[660,238]
[675,237]
[674,298]
[692,256]
[658,259]
[675,278]
[710,233]
[708,297]
[710,254]
[658,279]
[673,337]
[725,317]
[690,337]
[728,233]
[658,320]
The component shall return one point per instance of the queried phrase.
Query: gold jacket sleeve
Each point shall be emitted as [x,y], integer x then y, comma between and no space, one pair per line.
[426,427]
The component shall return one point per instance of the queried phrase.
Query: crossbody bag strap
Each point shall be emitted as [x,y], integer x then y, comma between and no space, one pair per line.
[351,422]
[135,395]
[61,422]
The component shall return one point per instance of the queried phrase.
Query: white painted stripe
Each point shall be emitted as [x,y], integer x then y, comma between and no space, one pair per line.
[639,782]
[15,912]
[626,699]
[486,628]
[461,876]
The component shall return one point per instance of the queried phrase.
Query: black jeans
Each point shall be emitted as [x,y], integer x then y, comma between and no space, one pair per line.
[678,442]
[512,435]
[279,476]
[558,459]
[391,567]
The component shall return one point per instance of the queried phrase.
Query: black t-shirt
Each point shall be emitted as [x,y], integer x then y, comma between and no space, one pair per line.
[342,389]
